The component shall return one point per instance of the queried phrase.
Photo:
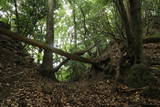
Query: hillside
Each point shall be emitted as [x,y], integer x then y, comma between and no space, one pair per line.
[22,86]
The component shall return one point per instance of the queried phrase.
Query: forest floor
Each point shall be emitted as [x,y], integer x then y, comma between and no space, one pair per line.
[22,86]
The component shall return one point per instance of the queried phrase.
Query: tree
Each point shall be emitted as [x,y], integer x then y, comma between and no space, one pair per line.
[133,28]
[47,64]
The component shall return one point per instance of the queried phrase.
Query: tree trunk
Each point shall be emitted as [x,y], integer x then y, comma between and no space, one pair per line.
[74,73]
[130,13]
[136,25]
[47,64]
[133,27]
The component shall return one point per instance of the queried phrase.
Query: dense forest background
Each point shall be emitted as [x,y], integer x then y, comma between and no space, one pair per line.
[75,40]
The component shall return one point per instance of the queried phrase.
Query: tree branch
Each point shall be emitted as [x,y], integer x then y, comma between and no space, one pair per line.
[56,69]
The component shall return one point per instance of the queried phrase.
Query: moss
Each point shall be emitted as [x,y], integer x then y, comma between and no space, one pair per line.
[139,76]
[151,92]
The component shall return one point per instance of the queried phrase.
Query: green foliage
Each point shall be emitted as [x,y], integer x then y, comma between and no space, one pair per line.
[4,20]
[72,71]
[63,75]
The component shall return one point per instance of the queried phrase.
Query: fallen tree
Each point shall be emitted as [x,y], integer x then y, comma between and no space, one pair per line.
[73,56]
[69,56]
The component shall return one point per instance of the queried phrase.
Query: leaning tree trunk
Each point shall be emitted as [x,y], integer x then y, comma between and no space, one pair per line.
[47,64]
[44,46]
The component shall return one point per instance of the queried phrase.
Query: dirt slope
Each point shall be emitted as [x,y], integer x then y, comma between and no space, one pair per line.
[22,86]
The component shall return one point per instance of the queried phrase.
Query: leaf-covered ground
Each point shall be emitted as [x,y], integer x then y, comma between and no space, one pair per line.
[22,86]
